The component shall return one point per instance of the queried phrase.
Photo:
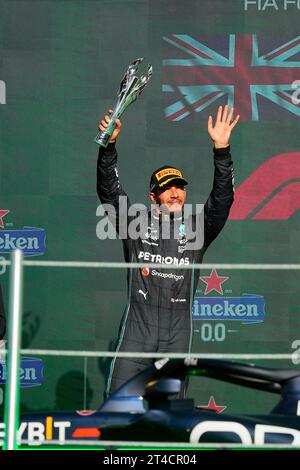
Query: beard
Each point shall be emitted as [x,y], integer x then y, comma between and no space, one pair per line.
[172,206]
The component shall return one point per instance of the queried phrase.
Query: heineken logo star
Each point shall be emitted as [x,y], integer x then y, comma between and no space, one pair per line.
[3,212]
[214,282]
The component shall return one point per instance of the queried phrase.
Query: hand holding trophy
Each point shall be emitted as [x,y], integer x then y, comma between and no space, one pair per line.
[130,88]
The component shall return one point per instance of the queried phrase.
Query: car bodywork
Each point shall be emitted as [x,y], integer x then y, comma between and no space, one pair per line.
[149,408]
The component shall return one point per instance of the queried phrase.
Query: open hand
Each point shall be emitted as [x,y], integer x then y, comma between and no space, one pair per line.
[220,133]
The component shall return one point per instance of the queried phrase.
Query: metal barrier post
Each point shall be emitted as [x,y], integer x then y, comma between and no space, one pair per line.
[12,389]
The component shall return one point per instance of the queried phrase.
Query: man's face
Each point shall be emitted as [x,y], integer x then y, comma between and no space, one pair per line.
[172,198]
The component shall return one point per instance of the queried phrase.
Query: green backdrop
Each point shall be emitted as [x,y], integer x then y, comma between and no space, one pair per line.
[61,63]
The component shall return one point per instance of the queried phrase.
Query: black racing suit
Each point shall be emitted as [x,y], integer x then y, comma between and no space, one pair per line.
[158,316]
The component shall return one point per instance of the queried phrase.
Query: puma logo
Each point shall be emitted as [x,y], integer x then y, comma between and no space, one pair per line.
[143,293]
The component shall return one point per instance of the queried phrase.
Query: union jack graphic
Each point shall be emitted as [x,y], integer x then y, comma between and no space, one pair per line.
[252,73]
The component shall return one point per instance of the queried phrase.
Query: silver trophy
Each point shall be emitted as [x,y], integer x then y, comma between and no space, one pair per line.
[130,88]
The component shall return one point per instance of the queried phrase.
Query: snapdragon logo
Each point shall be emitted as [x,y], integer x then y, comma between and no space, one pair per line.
[172,276]
[135,222]
[2,92]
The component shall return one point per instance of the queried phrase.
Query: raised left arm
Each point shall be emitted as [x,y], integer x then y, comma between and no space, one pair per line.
[217,207]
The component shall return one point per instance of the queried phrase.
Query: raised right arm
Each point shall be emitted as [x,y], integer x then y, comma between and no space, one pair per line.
[113,198]
[111,194]
[108,185]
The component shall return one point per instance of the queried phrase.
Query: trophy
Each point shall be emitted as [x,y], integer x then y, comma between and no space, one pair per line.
[130,88]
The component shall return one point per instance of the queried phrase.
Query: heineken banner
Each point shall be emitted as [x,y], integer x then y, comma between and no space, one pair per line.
[61,62]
